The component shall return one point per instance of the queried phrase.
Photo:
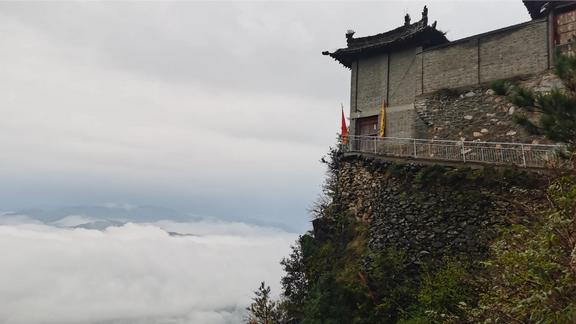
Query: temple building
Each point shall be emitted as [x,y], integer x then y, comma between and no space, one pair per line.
[391,70]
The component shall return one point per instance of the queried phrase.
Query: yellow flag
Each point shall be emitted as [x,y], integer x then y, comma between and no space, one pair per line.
[382,132]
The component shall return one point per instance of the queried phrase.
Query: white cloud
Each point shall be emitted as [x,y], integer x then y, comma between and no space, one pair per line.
[136,273]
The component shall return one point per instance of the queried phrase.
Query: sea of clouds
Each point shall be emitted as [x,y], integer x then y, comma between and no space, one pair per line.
[161,272]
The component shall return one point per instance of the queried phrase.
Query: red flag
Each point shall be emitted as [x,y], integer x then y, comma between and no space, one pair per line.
[344,129]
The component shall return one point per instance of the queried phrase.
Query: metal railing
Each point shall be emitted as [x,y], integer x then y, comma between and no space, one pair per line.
[524,155]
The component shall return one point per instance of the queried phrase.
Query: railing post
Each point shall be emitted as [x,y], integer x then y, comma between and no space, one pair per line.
[375,141]
[415,152]
[523,155]
[463,152]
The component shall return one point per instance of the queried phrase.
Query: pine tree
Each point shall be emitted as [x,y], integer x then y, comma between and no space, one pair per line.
[263,309]
[294,283]
[557,109]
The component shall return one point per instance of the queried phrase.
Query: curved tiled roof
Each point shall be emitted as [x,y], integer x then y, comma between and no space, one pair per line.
[418,34]
[539,9]
[535,8]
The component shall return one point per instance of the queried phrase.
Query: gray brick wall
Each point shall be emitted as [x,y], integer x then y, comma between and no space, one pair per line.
[404,75]
[499,55]
[524,51]
[353,82]
[451,66]
[518,50]
[353,108]
[400,121]
[372,74]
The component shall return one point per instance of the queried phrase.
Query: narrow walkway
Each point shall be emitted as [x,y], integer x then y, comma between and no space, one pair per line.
[517,154]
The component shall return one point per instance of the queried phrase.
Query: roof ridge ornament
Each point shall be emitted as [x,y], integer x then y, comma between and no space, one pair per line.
[407,20]
[350,34]
[425,15]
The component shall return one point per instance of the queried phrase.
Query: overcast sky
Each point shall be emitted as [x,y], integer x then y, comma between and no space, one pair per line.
[214,108]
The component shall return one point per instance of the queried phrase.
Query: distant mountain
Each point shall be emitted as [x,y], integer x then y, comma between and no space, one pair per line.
[99,225]
[103,216]
[119,213]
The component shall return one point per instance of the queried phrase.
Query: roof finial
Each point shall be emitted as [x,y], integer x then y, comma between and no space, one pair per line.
[407,20]
[425,15]
[350,34]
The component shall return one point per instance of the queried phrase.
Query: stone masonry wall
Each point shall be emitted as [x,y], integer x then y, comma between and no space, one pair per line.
[477,113]
[431,211]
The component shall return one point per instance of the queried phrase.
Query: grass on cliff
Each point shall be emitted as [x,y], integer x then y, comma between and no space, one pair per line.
[531,277]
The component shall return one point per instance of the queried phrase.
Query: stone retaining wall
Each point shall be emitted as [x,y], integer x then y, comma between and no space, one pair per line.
[430,211]
[477,114]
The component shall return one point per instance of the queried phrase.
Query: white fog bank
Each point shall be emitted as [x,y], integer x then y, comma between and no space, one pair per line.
[136,273]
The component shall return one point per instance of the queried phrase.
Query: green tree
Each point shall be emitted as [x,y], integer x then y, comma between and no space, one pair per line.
[557,109]
[445,294]
[263,309]
[294,283]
